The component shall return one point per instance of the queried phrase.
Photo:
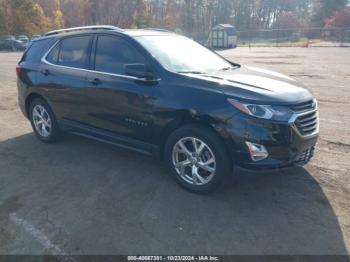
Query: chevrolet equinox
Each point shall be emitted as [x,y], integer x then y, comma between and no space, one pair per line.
[165,95]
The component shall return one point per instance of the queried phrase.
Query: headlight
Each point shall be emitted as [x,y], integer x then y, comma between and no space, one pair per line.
[279,113]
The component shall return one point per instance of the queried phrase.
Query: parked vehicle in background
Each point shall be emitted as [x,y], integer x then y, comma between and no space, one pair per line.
[23,39]
[12,44]
[165,95]
[9,37]
[35,37]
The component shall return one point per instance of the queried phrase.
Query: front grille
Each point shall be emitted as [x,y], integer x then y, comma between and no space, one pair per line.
[304,107]
[307,124]
[305,157]
[306,117]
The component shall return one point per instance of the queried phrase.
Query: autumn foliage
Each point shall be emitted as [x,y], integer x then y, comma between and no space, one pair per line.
[340,19]
[195,17]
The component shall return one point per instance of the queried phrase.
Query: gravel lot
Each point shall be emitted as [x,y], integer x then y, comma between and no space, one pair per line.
[84,197]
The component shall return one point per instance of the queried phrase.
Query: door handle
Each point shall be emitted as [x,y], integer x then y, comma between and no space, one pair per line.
[146,82]
[45,72]
[95,81]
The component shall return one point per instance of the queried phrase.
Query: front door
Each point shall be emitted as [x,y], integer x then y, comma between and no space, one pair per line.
[118,102]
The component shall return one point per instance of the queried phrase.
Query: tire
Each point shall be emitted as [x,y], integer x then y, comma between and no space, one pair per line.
[40,112]
[211,176]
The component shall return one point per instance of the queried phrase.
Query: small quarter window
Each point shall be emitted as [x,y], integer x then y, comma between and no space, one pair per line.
[36,50]
[52,57]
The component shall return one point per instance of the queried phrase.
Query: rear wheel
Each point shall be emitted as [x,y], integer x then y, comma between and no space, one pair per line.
[43,121]
[198,159]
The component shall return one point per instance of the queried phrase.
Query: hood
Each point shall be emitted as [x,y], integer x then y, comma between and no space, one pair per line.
[260,85]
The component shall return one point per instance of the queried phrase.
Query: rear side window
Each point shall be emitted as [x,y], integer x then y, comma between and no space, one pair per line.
[72,52]
[112,53]
[36,50]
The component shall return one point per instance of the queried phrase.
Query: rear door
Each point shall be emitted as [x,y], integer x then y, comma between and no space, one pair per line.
[118,102]
[62,76]
[29,64]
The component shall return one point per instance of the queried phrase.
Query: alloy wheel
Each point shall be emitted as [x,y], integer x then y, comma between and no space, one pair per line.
[194,161]
[42,121]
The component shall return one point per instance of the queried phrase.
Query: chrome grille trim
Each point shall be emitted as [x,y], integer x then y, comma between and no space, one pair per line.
[305,121]
[308,124]
[311,117]
[311,128]
[305,106]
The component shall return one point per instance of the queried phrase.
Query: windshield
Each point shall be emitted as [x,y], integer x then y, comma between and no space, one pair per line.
[183,55]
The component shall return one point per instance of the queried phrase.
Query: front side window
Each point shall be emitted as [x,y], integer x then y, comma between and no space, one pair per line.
[72,52]
[113,53]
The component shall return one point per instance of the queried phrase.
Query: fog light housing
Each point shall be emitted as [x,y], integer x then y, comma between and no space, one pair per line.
[257,152]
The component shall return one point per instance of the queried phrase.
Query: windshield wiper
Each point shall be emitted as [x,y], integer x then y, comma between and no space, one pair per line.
[191,72]
[226,68]
[233,67]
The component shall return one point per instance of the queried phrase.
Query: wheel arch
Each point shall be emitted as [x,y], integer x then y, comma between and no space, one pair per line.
[29,99]
[202,122]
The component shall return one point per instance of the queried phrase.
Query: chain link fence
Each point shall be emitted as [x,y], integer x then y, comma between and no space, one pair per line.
[315,37]
[295,37]
[290,37]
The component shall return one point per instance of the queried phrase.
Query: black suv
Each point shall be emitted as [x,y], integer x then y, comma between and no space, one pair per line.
[165,95]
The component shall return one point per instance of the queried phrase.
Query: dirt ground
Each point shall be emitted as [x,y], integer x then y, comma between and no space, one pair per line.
[84,197]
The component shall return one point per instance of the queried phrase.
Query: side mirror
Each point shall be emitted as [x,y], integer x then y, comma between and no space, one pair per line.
[138,70]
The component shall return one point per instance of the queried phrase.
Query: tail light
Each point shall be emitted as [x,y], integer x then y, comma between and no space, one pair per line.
[18,70]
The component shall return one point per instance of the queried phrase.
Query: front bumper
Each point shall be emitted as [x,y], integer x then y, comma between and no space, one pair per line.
[285,145]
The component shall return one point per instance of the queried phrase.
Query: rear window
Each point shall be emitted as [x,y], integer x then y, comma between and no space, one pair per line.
[36,50]
[72,52]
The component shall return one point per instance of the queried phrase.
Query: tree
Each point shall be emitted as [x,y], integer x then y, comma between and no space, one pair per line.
[27,17]
[194,17]
[339,19]
[322,9]
[287,20]
[142,15]
[53,13]
[5,17]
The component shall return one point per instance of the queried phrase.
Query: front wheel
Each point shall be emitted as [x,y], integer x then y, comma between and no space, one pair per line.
[198,159]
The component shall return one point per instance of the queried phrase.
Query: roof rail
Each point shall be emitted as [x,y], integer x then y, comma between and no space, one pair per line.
[158,29]
[82,28]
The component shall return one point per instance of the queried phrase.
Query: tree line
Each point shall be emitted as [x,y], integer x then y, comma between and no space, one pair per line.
[189,16]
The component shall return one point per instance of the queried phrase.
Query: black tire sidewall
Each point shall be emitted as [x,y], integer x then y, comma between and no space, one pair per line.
[223,165]
[55,131]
